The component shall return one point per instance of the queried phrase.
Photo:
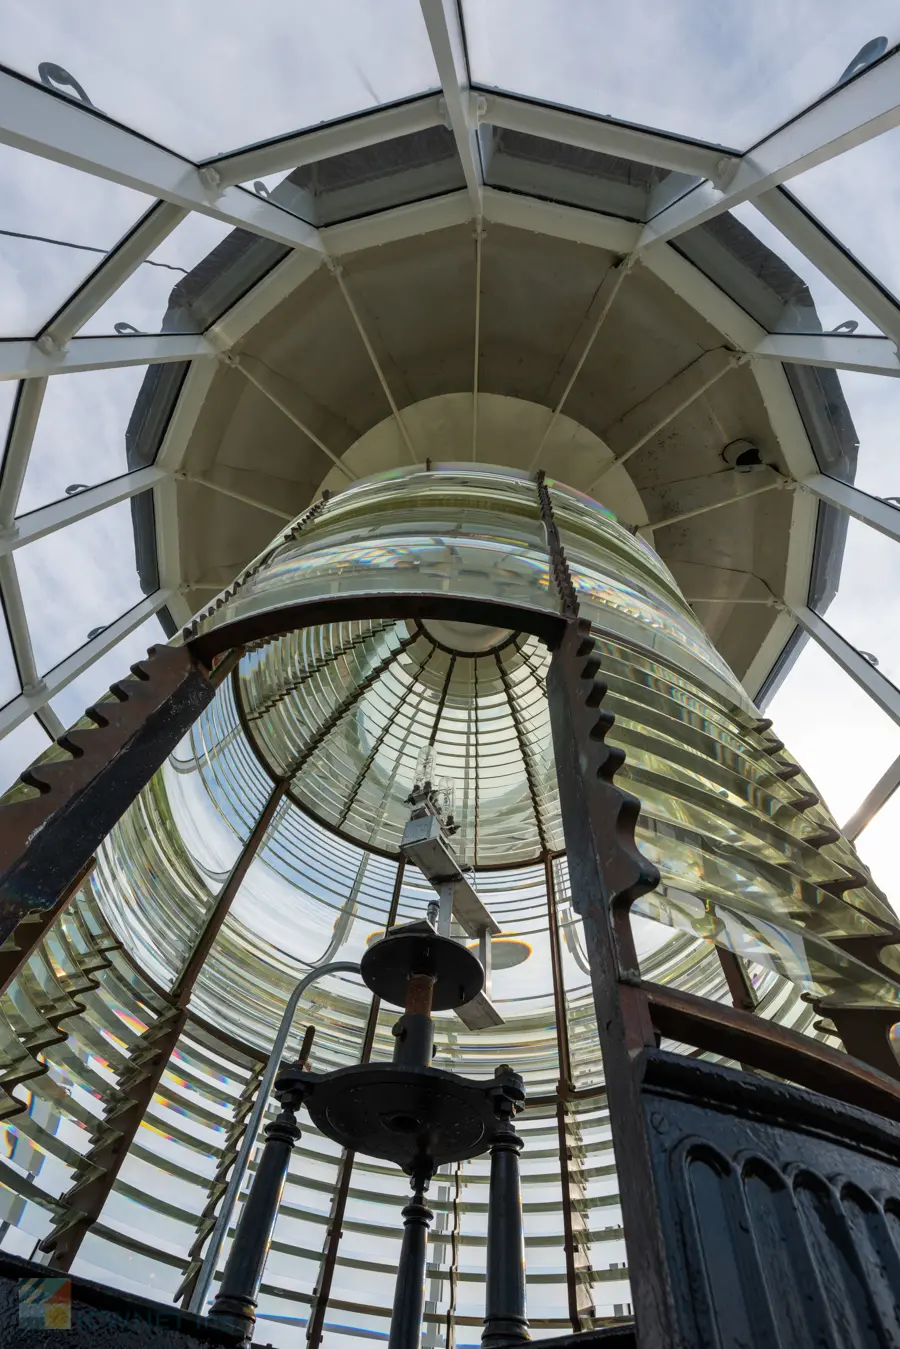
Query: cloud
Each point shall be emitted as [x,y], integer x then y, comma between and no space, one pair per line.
[727,74]
[213,75]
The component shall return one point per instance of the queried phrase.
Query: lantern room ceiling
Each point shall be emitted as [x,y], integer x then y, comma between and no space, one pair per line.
[539,299]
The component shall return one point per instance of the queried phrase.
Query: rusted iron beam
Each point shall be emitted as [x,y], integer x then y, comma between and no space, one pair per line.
[46,839]
[607,873]
[32,927]
[764,1045]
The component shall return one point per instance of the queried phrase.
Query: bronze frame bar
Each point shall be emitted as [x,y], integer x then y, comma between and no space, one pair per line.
[151,1056]
[563,1089]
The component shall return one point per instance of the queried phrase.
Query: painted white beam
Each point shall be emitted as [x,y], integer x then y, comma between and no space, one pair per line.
[282,281]
[605,137]
[560,222]
[172,452]
[771,647]
[31,701]
[872,355]
[18,448]
[850,115]
[684,279]
[861,671]
[48,519]
[400,222]
[880,794]
[444,26]
[804,233]
[17,623]
[50,722]
[42,123]
[871,510]
[323,142]
[21,359]
[135,248]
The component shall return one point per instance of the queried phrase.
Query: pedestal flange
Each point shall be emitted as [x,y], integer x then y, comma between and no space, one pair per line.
[418,1118]
[415,948]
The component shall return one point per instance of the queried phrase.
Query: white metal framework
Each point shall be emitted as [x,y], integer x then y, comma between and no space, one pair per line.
[66,131]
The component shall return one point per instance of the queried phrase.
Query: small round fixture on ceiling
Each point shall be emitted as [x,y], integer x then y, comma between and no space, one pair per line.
[743,456]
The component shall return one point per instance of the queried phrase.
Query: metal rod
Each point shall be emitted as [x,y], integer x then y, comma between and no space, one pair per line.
[360,327]
[564,1086]
[184,984]
[217,1236]
[409,1291]
[716,506]
[235,496]
[290,414]
[479,236]
[669,416]
[525,750]
[612,281]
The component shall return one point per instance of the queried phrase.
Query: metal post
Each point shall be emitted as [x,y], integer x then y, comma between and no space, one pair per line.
[409,1291]
[322,1290]
[234,1308]
[217,1237]
[484,955]
[505,1321]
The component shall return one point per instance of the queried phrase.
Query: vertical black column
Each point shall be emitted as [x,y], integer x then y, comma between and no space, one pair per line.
[505,1321]
[409,1291]
[234,1307]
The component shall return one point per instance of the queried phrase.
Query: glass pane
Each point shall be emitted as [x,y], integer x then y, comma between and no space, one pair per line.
[82,434]
[817,694]
[189,281]
[856,195]
[56,224]
[20,748]
[116,664]
[756,265]
[213,75]
[391,173]
[77,580]
[9,677]
[874,403]
[8,390]
[725,73]
[877,846]
[866,601]
[588,178]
